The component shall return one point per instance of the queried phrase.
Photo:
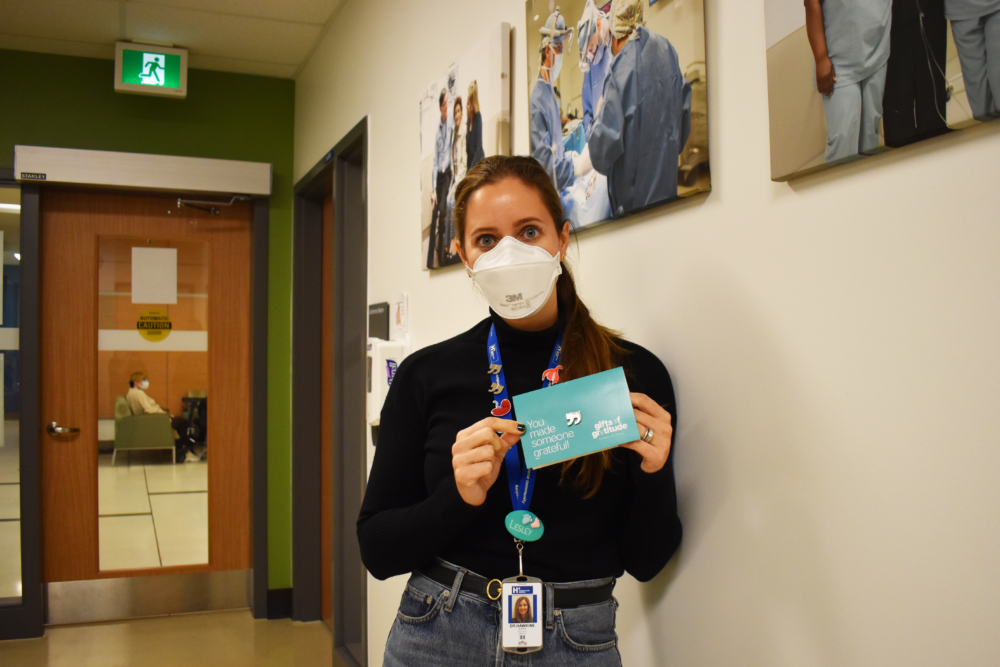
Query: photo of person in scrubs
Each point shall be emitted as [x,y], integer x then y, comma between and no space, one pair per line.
[975,25]
[545,116]
[441,178]
[853,78]
[850,44]
[644,117]
[594,40]
[458,169]
[474,133]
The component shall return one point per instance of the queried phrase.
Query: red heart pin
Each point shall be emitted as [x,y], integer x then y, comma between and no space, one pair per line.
[501,410]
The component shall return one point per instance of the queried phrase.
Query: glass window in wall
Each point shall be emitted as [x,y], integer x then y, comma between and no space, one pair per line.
[10,408]
[153,400]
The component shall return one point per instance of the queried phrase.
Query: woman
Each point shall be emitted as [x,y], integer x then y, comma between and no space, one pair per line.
[522,611]
[474,135]
[435,501]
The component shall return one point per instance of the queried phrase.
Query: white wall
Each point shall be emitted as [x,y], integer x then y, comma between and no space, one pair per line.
[835,346]
[782,18]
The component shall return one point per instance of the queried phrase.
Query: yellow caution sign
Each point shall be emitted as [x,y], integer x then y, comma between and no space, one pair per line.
[154,325]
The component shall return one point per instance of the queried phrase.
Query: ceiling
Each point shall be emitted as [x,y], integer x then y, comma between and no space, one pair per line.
[265,37]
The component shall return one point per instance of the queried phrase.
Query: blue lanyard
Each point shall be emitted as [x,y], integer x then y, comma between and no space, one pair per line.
[521,481]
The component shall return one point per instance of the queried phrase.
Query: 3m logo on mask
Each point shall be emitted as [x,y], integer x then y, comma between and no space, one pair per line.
[514,298]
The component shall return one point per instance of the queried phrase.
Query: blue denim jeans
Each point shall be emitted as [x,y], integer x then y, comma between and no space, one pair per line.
[438,625]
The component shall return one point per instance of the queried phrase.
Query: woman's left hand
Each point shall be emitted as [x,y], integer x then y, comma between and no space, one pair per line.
[650,415]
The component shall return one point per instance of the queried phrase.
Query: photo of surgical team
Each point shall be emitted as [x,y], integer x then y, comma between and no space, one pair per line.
[617,103]
[851,78]
[464,117]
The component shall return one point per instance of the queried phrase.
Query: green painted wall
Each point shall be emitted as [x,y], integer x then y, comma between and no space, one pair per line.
[68,102]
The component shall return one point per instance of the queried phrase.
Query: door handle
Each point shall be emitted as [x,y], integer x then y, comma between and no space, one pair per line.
[55,429]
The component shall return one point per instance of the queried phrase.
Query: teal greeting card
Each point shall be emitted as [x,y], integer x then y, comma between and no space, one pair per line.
[576,418]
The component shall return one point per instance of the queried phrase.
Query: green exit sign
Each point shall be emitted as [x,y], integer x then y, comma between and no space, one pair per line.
[150,70]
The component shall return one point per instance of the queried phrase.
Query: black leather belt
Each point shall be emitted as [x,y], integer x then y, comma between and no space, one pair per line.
[563,598]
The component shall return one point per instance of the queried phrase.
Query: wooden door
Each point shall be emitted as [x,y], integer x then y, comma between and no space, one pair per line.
[71,223]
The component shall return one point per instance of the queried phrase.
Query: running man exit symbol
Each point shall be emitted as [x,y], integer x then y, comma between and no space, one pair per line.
[149,70]
[152,69]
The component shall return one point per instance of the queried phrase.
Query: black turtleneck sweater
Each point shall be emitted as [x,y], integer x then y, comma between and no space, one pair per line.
[412,510]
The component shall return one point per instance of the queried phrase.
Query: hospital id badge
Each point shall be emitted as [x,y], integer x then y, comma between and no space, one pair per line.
[522,615]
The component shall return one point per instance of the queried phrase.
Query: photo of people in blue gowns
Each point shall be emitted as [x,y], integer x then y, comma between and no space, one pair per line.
[851,78]
[618,111]
[464,116]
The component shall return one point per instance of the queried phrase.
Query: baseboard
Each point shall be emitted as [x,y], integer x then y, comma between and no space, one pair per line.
[279,603]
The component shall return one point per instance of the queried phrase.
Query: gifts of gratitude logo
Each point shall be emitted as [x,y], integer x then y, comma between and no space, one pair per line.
[607,427]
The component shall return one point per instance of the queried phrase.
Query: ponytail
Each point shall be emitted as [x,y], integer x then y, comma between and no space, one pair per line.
[588,347]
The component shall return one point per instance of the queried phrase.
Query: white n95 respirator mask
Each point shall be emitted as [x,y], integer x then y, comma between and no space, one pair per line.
[516,278]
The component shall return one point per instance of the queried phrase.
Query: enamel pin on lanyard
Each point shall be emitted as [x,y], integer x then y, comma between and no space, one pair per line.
[521,595]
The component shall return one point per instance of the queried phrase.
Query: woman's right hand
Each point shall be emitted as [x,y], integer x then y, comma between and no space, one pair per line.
[825,76]
[477,456]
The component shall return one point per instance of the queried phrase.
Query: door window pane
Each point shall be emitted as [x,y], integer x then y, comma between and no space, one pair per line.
[152,369]
[10,400]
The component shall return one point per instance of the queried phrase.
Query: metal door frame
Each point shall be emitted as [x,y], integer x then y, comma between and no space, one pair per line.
[343,171]
[27,619]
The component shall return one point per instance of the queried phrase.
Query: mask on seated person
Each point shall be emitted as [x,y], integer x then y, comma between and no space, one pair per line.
[144,385]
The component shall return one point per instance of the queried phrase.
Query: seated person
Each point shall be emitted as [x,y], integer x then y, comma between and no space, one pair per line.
[140,403]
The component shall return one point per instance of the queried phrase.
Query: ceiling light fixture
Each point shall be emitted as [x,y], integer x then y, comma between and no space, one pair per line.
[10,208]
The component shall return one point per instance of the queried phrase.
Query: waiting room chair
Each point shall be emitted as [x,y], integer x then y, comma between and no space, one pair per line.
[141,431]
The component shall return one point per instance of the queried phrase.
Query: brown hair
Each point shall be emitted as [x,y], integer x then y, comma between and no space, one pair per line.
[518,618]
[588,347]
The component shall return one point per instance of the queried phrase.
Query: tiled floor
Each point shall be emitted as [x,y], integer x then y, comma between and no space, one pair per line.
[121,490]
[181,521]
[9,465]
[177,478]
[128,542]
[10,513]
[10,502]
[153,512]
[216,639]
[10,559]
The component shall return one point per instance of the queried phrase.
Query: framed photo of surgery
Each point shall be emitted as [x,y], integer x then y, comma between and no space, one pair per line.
[617,103]
[851,78]
[464,117]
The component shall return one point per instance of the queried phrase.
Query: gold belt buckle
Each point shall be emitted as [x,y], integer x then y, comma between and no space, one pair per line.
[499,589]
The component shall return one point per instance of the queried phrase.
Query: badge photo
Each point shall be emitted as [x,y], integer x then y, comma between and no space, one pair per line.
[522,616]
